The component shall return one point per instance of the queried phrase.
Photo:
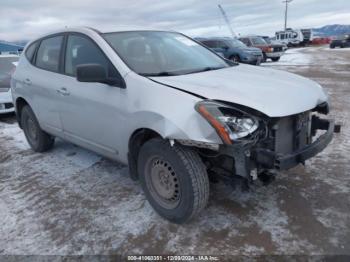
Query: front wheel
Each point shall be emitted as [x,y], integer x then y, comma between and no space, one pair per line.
[174,180]
[264,58]
[38,140]
[275,59]
[235,58]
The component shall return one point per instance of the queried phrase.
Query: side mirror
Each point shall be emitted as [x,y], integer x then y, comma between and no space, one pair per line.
[96,73]
[91,73]
[225,47]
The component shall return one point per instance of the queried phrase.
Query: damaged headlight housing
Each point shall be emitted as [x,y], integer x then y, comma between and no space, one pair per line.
[230,123]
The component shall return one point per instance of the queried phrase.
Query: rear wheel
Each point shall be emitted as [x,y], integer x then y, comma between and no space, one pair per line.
[275,59]
[38,139]
[174,180]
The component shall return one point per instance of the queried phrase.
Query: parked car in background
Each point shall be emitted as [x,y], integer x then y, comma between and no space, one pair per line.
[170,108]
[341,41]
[233,49]
[318,40]
[274,43]
[7,67]
[269,52]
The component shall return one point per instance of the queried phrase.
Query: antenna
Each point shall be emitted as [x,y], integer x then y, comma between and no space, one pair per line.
[286,13]
[227,21]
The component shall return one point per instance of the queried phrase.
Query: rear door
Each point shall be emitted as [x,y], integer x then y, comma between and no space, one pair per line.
[92,113]
[42,81]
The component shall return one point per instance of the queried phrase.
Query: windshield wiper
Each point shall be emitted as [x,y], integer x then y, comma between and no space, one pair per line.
[209,68]
[164,73]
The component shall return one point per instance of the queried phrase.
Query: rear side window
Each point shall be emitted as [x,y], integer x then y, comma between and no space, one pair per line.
[30,51]
[48,55]
[82,50]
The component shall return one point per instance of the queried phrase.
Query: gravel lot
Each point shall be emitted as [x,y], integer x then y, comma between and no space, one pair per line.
[72,201]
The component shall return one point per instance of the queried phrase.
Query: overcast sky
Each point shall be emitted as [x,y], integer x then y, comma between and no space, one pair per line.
[26,19]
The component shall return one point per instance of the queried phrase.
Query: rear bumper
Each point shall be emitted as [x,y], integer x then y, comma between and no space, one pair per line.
[270,159]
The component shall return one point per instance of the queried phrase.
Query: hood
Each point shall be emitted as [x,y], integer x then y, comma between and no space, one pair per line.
[272,92]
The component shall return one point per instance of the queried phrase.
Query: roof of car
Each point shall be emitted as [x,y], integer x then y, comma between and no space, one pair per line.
[90,30]
[214,38]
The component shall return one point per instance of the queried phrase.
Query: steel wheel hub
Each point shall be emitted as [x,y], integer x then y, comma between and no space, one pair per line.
[164,183]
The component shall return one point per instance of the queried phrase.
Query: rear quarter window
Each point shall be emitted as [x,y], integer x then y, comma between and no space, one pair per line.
[30,51]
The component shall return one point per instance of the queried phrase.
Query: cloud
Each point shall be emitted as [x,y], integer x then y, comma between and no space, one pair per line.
[28,19]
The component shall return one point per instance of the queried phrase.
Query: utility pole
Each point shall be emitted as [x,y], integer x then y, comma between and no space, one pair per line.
[227,21]
[286,13]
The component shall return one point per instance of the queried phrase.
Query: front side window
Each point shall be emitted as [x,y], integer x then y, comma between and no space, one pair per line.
[48,55]
[155,53]
[82,50]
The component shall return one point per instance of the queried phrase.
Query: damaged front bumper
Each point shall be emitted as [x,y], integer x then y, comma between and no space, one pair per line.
[249,157]
[273,160]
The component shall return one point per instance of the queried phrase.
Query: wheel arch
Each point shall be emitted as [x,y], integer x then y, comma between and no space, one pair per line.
[20,103]
[136,140]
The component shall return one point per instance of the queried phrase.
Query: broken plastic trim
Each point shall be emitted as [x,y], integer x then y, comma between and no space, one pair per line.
[199,144]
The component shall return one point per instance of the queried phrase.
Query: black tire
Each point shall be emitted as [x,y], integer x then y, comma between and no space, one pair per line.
[264,58]
[185,175]
[235,58]
[332,46]
[38,140]
[275,59]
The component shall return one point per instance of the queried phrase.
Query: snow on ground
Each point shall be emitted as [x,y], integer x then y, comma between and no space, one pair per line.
[292,57]
[72,201]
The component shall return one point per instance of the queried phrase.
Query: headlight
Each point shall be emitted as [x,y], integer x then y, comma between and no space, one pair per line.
[230,123]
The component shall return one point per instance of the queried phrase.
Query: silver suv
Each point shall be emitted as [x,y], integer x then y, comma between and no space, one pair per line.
[170,108]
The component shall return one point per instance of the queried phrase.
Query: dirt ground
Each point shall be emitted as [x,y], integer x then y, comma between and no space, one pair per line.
[72,201]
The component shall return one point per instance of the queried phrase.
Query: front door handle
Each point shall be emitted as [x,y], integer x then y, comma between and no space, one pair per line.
[63,91]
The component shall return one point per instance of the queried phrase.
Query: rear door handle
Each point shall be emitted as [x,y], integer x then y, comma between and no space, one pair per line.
[63,91]
[27,81]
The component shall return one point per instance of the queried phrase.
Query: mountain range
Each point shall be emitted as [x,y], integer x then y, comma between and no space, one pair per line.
[331,30]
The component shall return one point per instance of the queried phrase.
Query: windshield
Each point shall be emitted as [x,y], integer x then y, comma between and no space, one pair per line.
[258,41]
[155,53]
[235,43]
[267,40]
